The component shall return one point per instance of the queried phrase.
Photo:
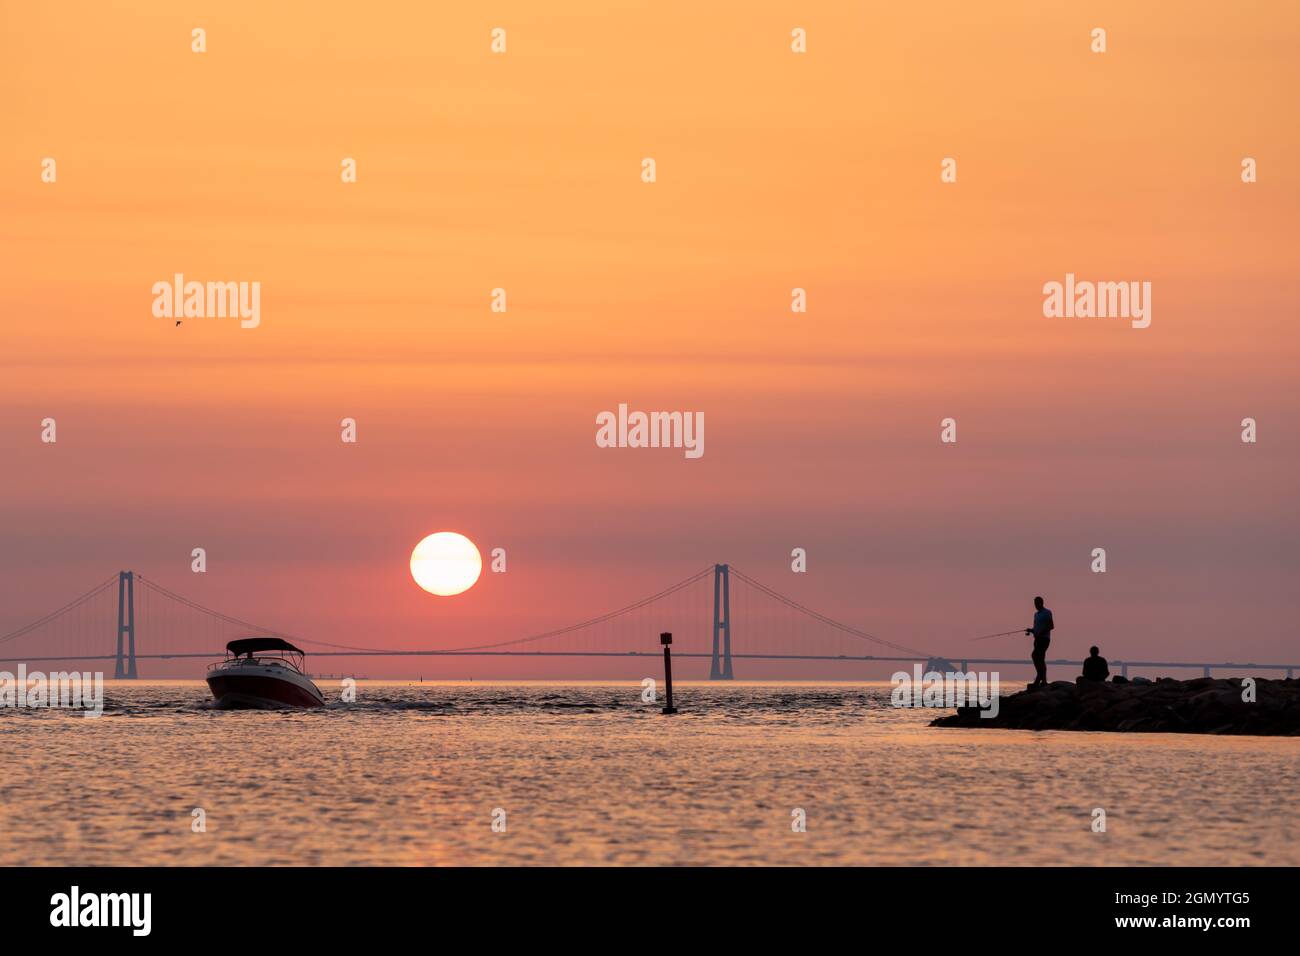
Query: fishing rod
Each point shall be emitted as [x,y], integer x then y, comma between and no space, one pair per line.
[1019,630]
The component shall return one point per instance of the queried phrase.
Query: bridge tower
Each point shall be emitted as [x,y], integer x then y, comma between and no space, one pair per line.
[125,625]
[721,669]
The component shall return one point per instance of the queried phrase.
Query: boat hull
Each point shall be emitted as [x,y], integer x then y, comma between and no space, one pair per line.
[254,688]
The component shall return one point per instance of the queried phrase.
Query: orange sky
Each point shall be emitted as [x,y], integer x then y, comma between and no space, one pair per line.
[775,170]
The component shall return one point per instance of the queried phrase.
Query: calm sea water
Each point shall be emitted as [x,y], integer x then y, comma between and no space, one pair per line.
[587,774]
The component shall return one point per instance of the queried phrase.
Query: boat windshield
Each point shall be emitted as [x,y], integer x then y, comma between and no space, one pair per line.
[291,661]
[270,651]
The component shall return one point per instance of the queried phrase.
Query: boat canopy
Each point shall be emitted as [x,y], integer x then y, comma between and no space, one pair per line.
[249,645]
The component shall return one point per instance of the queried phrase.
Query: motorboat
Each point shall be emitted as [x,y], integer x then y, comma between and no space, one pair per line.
[263,672]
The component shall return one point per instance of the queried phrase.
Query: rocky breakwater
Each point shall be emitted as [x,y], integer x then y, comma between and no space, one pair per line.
[1203,706]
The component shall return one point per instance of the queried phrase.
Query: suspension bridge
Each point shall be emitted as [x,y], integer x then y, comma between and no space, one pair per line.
[719,613]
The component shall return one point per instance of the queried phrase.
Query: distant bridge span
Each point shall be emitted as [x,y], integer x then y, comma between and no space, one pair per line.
[963,665]
[76,633]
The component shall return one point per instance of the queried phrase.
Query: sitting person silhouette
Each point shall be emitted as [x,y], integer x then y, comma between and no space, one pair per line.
[1095,667]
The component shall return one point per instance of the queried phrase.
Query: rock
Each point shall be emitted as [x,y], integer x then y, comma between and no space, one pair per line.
[1205,705]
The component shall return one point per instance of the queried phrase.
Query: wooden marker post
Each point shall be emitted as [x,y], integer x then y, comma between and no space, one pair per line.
[666,639]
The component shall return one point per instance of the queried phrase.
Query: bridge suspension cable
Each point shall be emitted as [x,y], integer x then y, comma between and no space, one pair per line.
[591,622]
[816,615]
[194,605]
[673,589]
[71,605]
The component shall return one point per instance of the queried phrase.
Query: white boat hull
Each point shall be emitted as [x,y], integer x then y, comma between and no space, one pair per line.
[254,684]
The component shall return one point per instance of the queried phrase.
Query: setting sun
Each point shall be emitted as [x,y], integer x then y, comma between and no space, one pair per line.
[446,563]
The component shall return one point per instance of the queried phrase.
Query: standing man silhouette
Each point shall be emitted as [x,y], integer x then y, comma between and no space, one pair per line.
[1042,631]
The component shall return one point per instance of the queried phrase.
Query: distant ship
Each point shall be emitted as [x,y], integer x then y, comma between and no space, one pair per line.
[263,672]
[939,665]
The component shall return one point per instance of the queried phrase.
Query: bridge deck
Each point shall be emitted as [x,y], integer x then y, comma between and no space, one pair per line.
[965,662]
